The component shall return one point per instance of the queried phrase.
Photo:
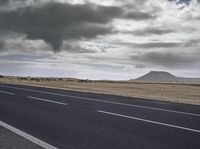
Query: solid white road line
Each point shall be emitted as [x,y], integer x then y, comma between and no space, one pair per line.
[149,121]
[46,100]
[111,102]
[9,93]
[27,136]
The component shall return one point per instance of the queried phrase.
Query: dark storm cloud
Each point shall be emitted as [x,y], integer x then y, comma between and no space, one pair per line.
[2,2]
[152,31]
[5,2]
[139,15]
[55,22]
[166,59]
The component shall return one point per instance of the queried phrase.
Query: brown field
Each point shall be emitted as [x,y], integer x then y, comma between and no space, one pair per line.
[173,92]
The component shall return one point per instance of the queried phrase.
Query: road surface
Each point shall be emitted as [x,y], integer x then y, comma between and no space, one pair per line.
[52,118]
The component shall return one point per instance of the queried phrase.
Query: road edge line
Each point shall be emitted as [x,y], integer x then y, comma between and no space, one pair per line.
[27,136]
[5,92]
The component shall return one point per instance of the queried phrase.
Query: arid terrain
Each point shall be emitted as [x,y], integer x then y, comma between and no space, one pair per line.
[174,92]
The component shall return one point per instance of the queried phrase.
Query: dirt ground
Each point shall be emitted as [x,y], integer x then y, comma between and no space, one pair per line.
[174,92]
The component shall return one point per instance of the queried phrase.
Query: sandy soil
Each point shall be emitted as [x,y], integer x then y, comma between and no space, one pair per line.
[181,93]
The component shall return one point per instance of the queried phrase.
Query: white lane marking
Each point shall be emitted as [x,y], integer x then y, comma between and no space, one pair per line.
[46,100]
[149,121]
[27,136]
[111,102]
[9,93]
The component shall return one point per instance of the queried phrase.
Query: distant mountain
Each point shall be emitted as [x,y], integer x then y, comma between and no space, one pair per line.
[162,76]
[158,76]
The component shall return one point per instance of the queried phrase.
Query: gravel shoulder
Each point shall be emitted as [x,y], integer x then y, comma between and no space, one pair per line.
[10,140]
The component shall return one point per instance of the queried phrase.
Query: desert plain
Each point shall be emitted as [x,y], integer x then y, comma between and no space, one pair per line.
[187,93]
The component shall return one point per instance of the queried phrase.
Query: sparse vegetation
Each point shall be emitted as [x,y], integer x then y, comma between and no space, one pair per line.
[175,92]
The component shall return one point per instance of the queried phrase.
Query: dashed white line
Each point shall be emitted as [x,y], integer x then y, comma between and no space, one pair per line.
[46,100]
[110,102]
[153,108]
[9,93]
[149,121]
[27,136]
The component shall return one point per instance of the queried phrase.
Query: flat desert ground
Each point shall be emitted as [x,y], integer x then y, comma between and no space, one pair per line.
[173,92]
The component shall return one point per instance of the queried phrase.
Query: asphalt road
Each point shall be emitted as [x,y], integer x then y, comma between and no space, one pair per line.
[75,120]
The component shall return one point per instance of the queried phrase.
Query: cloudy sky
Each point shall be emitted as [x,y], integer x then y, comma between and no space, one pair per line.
[99,39]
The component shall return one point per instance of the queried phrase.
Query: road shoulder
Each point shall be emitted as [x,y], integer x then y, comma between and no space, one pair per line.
[10,140]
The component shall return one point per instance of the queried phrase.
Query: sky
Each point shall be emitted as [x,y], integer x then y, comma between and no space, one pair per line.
[92,39]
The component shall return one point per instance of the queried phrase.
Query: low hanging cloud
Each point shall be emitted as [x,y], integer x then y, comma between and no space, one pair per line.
[166,59]
[136,15]
[152,31]
[151,45]
[2,44]
[55,22]
[193,43]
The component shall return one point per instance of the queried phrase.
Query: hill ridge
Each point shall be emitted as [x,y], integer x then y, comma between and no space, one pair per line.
[164,76]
